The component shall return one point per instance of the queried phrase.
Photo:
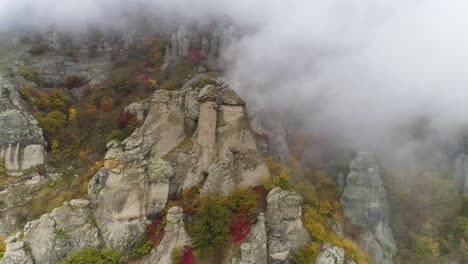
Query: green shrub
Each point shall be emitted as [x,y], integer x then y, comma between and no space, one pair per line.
[123,84]
[210,226]
[207,81]
[143,248]
[170,85]
[243,201]
[61,234]
[176,255]
[115,134]
[2,247]
[38,49]
[2,168]
[93,256]
[26,92]
[424,246]
[307,254]
[29,74]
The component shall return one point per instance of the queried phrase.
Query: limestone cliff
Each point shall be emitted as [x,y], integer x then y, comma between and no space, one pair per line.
[198,136]
[21,140]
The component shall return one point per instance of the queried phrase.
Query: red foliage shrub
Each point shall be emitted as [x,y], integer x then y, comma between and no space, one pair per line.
[187,257]
[143,80]
[155,231]
[240,228]
[125,119]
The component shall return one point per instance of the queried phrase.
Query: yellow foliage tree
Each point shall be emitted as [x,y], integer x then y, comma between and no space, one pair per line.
[71,115]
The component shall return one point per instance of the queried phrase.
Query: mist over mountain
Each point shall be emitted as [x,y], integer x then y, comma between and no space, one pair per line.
[363,69]
[332,131]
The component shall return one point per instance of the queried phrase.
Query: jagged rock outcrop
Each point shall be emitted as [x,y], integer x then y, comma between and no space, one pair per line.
[195,136]
[15,199]
[254,251]
[175,237]
[285,230]
[215,45]
[461,173]
[16,252]
[51,237]
[330,255]
[54,70]
[365,206]
[21,140]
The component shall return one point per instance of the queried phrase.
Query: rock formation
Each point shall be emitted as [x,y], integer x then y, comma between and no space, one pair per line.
[16,252]
[195,136]
[50,238]
[285,230]
[330,255]
[215,45]
[21,140]
[54,70]
[175,237]
[254,251]
[365,206]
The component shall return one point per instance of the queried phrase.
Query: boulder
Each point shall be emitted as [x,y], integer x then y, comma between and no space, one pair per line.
[285,230]
[175,237]
[67,228]
[365,206]
[330,255]
[16,252]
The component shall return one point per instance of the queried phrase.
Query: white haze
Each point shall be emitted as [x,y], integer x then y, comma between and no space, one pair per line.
[361,70]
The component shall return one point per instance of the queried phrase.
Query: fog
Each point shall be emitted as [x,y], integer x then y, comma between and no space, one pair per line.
[362,71]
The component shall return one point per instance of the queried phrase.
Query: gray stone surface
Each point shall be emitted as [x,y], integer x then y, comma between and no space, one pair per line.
[364,203]
[21,140]
[16,252]
[285,230]
[254,250]
[50,238]
[175,237]
[330,255]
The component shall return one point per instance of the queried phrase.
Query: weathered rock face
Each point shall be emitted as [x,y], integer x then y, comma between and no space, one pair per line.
[365,206]
[21,140]
[254,251]
[175,236]
[190,137]
[15,199]
[15,252]
[461,173]
[216,46]
[50,238]
[53,70]
[285,230]
[330,255]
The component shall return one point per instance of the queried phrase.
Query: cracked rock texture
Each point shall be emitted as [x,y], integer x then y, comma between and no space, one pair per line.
[365,205]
